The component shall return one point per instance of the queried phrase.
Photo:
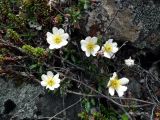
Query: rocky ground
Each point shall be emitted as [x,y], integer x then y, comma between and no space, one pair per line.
[135,21]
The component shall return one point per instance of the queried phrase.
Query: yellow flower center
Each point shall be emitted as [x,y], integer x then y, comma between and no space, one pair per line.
[50,82]
[114,83]
[108,47]
[57,39]
[90,46]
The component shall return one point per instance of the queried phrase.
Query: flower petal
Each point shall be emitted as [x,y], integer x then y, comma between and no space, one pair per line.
[93,52]
[94,39]
[111,91]
[50,39]
[114,75]
[51,88]
[88,38]
[49,34]
[55,30]
[43,83]
[88,53]
[83,45]
[51,47]
[49,74]
[63,43]
[65,36]
[83,42]
[56,77]
[115,49]
[114,44]
[120,93]
[121,90]
[124,81]
[110,41]
[60,31]
[44,77]
[56,85]
[97,47]
[109,83]
[107,55]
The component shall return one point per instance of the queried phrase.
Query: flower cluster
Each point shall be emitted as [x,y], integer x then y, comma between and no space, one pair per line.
[58,38]
[90,47]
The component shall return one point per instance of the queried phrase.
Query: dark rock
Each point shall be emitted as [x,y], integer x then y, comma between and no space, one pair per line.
[51,104]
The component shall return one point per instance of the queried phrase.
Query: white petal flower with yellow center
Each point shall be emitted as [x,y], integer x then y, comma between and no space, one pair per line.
[50,81]
[58,39]
[129,62]
[89,46]
[109,48]
[117,85]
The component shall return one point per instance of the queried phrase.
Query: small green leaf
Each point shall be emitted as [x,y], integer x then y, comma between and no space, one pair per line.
[33,66]
[124,117]
[87,106]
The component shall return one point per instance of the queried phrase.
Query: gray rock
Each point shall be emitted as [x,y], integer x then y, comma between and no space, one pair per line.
[20,101]
[136,21]
[29,101]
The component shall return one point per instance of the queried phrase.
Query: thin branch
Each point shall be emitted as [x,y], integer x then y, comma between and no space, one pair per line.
[152,113]
[112,19]
[122,98]
[109,98]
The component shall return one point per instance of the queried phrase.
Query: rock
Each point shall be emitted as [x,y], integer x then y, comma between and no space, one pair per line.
[51,104]
[136,21]
[28,101]
[122,26]
[18,101]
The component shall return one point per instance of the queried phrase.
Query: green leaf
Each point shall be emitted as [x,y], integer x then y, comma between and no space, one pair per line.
[124,117]
[33,66]
[88,106]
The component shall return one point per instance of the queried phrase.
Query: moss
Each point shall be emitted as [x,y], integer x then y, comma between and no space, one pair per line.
[4,9]
[1,58]
[17,20]
[27,2]
[75,14]
[36,10]
[37,52]
[13,35]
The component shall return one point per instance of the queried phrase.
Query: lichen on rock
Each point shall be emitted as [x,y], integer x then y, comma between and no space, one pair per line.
[20,100]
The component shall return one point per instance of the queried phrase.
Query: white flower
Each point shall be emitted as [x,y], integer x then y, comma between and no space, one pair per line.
[58,39]
[117,84]
[50,81]
[89,46]
[109,48]
[33,24]
[129,62]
